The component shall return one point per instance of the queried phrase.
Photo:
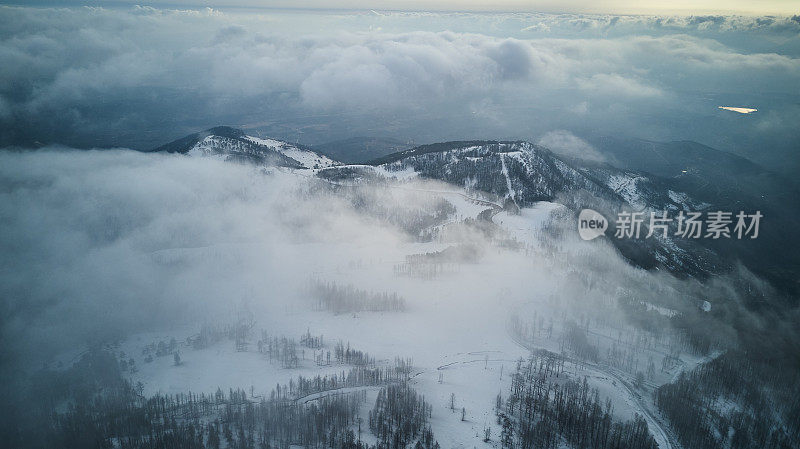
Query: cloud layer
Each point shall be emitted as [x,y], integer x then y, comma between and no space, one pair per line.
[96,244]
[96,77]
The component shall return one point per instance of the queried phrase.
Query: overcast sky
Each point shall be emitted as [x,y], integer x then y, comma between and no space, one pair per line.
[750,7]
[139,76]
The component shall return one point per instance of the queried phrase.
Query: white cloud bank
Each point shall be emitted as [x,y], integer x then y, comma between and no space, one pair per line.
[569,145]
[139,77]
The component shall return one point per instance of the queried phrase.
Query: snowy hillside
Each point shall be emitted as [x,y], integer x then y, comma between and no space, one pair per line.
[516,175]
[231,144]
[440,298]
[464,353]
[308,158]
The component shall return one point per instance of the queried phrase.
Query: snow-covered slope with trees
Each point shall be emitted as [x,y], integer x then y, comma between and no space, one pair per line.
[231,144]
[519,174]
[305,156]
[431,300]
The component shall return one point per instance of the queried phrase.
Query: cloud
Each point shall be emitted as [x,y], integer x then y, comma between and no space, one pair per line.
[513,59]
[139,77]
[99,243]
[567,144]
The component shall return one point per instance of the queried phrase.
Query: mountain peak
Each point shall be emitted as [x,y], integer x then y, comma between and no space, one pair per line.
[233,144]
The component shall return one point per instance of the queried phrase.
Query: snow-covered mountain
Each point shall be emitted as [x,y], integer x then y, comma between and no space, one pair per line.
[516,175]
[232,144]
[464,254]
[525,173]
[305,156]
[520,172]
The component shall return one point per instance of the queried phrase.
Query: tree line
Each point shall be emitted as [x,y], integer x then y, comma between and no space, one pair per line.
[545,410]
[734,402]
[400,418]
[347,299]
[91,405]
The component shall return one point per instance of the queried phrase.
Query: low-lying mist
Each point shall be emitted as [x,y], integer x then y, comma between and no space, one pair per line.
[99,247]
[97,244]
[100,243]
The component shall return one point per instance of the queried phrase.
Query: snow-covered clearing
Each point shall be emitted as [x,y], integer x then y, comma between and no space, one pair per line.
[455,326]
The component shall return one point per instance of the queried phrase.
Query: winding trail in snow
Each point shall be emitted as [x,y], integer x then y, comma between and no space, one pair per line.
[658,429]
[335,391]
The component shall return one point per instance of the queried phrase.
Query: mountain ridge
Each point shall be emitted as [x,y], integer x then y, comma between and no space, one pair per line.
[233,144]
[520,173]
